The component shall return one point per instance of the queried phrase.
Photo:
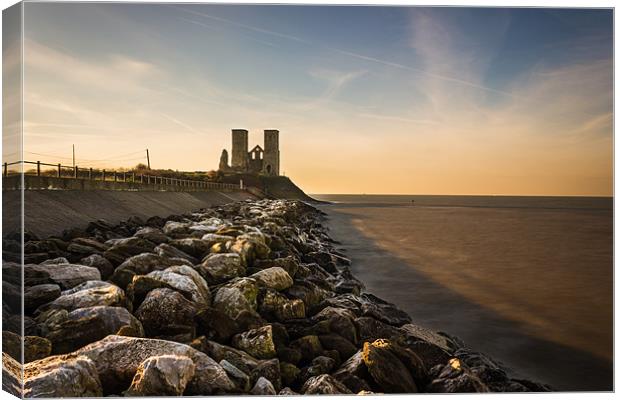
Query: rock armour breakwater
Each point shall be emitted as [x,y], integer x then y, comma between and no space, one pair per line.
[249,297]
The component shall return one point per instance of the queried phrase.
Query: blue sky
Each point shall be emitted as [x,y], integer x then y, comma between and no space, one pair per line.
[457,100]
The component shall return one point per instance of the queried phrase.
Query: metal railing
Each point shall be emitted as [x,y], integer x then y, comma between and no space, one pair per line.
[70,172]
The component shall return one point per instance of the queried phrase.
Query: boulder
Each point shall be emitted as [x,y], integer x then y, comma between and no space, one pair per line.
[195,247]
[166,375]
[237,296]
[11,376]
[219,352]
[374,307]
[185,280]
[75,329]
[215,325]
[165,313]
[353,373]
[371,329]
[310,347]
[269,369]
[324,384]
[287,391]
[273,305]
[35,348]
[274,278]
[89,294]
[12,344]
[263,388]
[105,267]
[239,378]
[386,368]
[212,238]
[290,264]
[176,229]
[250,249]
[35,296]
[256,342]
[62,376]
[64,275]
[308,292]
[140,264]
[455,377]
[151,234]
[333,341]
[219,268]
[117,359]
[289,374]
[165,250]
[122,249]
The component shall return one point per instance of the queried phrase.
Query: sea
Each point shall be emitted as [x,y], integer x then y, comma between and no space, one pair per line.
[525,280]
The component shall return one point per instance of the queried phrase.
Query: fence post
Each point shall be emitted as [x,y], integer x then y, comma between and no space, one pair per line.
[59,173]
[103,175]
[75,172]
[124,176]
[90,173]
[38,168]
[6,169]
[133,176]
[114,176]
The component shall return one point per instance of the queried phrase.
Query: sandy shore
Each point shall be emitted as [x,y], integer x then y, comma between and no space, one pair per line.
[390,270]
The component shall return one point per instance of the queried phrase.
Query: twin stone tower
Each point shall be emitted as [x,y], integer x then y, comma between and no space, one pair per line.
[259,160]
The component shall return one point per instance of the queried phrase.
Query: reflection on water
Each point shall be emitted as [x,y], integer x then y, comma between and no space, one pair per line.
[543,265]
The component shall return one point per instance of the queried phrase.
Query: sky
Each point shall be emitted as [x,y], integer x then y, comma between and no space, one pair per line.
[367,99]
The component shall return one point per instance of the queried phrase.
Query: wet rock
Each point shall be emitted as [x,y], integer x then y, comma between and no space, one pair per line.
[319,366]
[237,296]
[75,329]
[256,342]
[165,250]
[289,264]
[386,368]
[345,282]
[274,278]
[239,378]
[165,313]
[310,347]
[353,373]
[62,376]
[166,375]
[101,263]
[273,305]
[324,384]
[117,359]
[269,369]
[384,311]
[122,249]
[455,377]
[195,247]
[89,294]
[219,268]
[336,342]
[263,387]
[308,292]
[35,348]
[35,296]
[371,329]
[64,275]
[152,234]
[216,325]
[11,376]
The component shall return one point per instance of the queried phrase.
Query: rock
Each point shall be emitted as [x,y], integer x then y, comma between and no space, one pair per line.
[455,377]
[55,261]
[165,313]
[105,267]
[89,294]
[345,282]
[270,370]
[11,376]
[12,344]
[273,305]
[117,359]
[187,281]
[321,258]
[371,329]
[125,248]
[70,331]
[340,320]
[35,296]
[151,234]
[12,296]
[309,345]
[140,264]
[249,249]
[212,238]
[308,292]
[336,342]
[274,278]
[219,268]
[288,392]
[219,352]
[289,374]
[353,373]
[193,246]
[62,376]
[64,275]
[386,368]
[176,229]
[324,384]
[165,250]
[166,375]
[237,296]
[35,348]
[263,387]
[240,378]
[319,366]
[383,311]
[289,264]
[256,342]
[216,325]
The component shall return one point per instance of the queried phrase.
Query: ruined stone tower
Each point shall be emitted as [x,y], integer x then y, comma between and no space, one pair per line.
[239,149]
[271,159]
[259,160]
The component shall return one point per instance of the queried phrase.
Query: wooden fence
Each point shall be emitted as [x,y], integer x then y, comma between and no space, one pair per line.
[70,172]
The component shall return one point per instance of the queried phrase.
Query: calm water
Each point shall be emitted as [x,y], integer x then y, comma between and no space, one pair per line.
[527,280]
